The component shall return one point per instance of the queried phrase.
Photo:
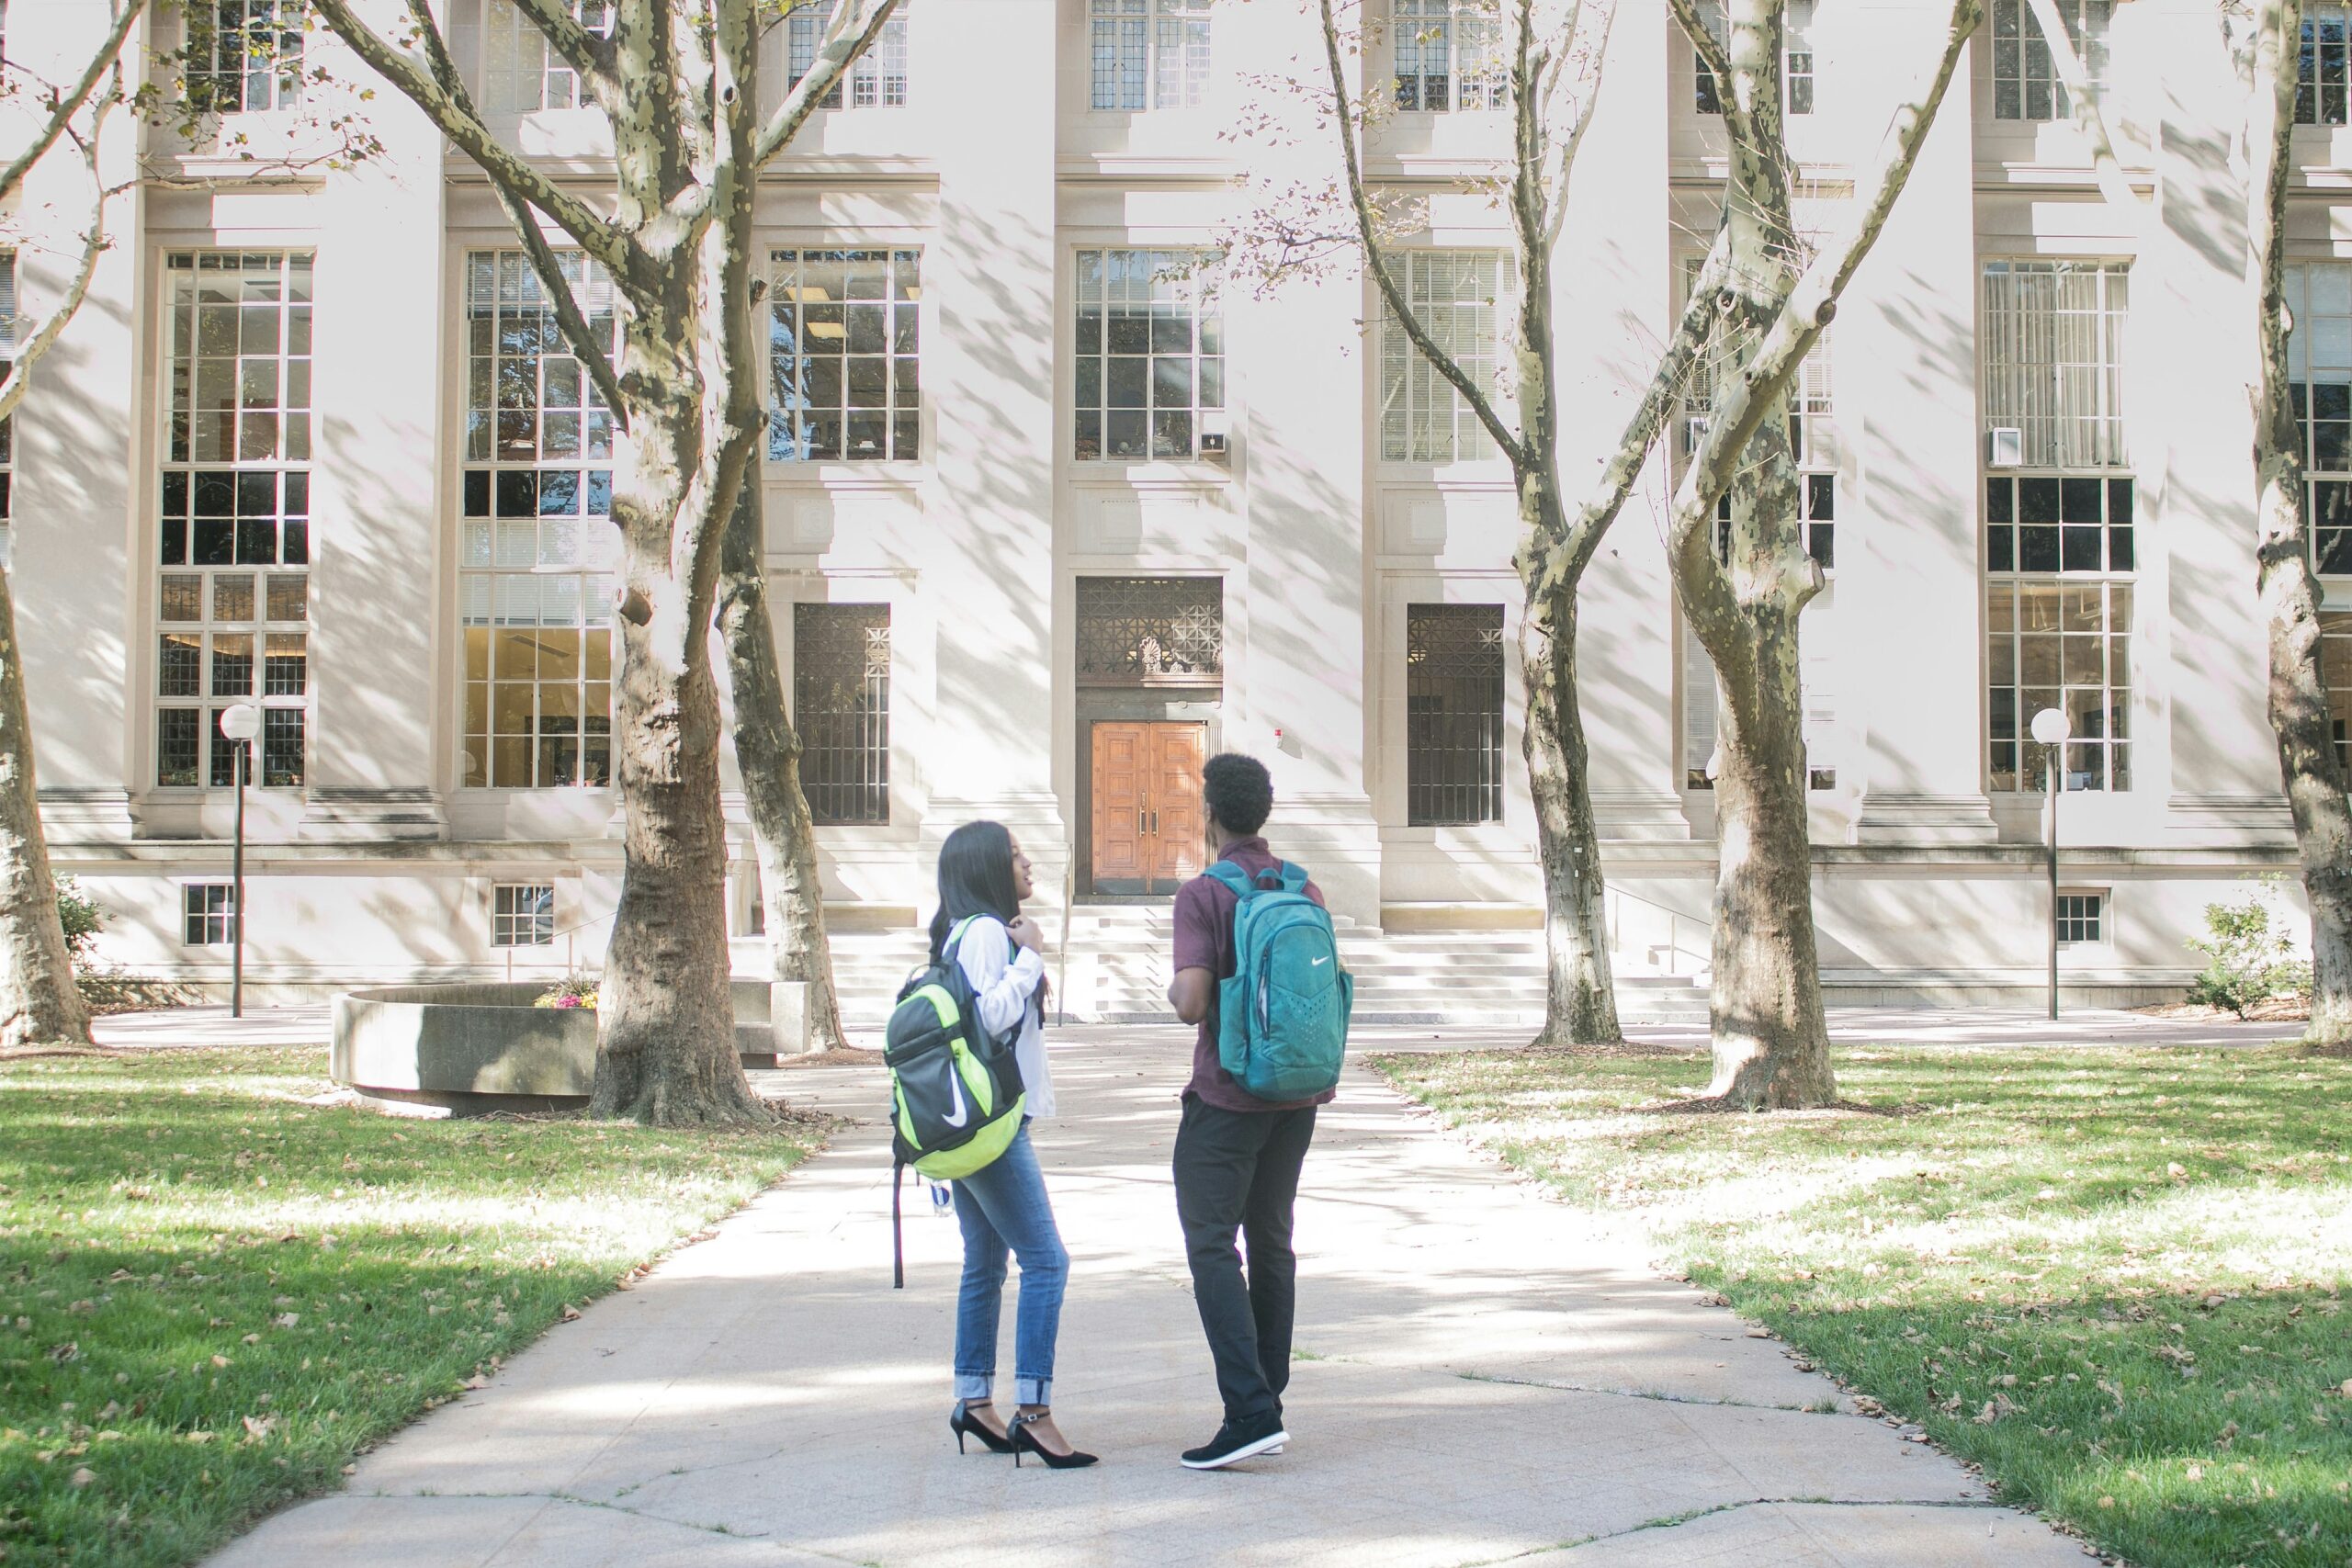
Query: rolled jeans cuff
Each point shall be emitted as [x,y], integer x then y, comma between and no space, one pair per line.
[978,1387]
[1033,1391]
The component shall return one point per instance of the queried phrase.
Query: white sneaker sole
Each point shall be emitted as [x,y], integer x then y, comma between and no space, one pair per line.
[1267,1445]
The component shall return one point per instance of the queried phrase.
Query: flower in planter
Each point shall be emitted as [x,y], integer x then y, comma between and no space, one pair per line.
[571,991]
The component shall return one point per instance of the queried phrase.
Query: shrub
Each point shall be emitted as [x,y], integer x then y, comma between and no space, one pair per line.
[2248,957]
[82,918]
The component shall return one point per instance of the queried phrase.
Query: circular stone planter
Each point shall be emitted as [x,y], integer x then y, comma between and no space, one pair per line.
[476,1048]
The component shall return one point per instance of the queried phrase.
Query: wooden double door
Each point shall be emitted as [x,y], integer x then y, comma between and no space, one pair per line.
[1146,804]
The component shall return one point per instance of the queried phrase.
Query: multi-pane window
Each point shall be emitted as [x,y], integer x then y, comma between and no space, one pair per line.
[2319,374]
[2082,918]
[1148,54]
[840,706]
[522,914]
[1796,58]
[1449,55]
[234,526]
[244,55]
[876,79]
[1460,296]
[2059,543]
[536,547]
[2320,69]
[209,914]
[1813,433]
[1453,714]
[2336,674]
[2054,359]
[1150,379]
[2026,85]
[844,359]
[520,74]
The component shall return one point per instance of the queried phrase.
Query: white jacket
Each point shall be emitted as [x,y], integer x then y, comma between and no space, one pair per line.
[1005,980]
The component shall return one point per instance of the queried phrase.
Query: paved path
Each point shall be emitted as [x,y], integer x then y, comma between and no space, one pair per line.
[1479,1379]
[179,1027]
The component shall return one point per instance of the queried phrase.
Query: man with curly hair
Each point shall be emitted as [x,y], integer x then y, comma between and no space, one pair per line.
[1238,1156]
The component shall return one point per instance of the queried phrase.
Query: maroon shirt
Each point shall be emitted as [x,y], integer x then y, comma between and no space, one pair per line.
[1204,940]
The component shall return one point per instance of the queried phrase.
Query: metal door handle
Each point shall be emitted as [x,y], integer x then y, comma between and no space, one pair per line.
[1140,828]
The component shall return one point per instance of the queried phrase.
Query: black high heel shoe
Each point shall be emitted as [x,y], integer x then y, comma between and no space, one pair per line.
[1026,1441]
[963,1427]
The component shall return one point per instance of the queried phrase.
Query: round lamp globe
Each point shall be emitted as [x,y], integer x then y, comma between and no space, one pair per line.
[242,721]
[2051,726]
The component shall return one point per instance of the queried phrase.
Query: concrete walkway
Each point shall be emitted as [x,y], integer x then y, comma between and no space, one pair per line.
[1479,1379]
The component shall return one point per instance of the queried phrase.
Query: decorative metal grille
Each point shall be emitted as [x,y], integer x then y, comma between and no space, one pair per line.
[840,701]
[1150,631]
[1453,714]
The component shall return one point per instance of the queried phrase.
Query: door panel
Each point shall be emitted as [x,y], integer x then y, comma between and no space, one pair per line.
[1175,805]
[1120,752]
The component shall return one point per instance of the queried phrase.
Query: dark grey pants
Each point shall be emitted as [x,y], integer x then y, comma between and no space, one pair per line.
[1237,1170]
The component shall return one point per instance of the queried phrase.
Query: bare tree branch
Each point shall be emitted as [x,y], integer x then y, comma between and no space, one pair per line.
[2083,100]
[593,354]
[855,25]
[64,105]
[1715,61]
[590,229]
[1368,230]
[95,244]
[1745,401]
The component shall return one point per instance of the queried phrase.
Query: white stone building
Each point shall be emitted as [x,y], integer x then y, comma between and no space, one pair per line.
[1053,522]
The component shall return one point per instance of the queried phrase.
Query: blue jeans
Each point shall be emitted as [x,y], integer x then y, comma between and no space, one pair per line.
[1003,1206]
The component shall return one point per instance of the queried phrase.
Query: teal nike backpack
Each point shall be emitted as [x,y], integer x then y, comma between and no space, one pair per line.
[1282,1016]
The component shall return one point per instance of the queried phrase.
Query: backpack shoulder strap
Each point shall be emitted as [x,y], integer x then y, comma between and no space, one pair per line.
[1232,876]
[956,939]
[1293,877]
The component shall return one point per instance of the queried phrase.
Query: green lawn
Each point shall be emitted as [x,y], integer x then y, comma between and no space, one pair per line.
[212,1295]
[2115,1279]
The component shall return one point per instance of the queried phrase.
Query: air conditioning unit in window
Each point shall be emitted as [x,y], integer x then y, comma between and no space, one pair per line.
[1215,426]
[2003,447]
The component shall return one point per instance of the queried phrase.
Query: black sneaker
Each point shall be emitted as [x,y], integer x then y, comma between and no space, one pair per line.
[1235,1443]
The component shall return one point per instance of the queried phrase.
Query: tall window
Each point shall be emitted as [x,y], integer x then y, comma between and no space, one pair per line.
[1149,55]
[209,914]
[2060,541]
[244,55]
[1449,55]
[536,547]
[2319,361]
[234,531]
[1796,58]
[2335,672]
[2025,82]
[522,914]
[843,360]
[876,79]
[840,705]
[1453,714]
[1460,296]
[2321,67]
[520,74]
[1151,358]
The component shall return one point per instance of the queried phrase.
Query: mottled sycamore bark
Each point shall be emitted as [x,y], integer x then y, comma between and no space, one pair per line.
[2298,697]
[1771,1044]
[678,81]
[767,753]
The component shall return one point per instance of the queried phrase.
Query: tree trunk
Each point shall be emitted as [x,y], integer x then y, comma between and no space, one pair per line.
[1580,993]
[1771,1039]
[2307,765]
[39,1000]
[767,753]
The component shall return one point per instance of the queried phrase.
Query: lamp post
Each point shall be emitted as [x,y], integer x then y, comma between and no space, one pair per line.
[239,722]
[2052,727]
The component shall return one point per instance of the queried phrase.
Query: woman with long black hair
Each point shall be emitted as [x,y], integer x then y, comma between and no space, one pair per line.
[983,878]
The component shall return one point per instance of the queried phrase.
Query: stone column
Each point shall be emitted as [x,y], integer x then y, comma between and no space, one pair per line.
[84,440]
[1907,556]
[381,702]
[990,559]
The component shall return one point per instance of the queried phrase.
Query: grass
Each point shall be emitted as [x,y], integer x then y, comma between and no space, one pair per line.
[213,1296]
[2116,1279]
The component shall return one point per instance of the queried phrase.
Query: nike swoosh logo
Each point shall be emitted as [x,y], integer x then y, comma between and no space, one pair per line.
[1318,964]
[956,1093]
